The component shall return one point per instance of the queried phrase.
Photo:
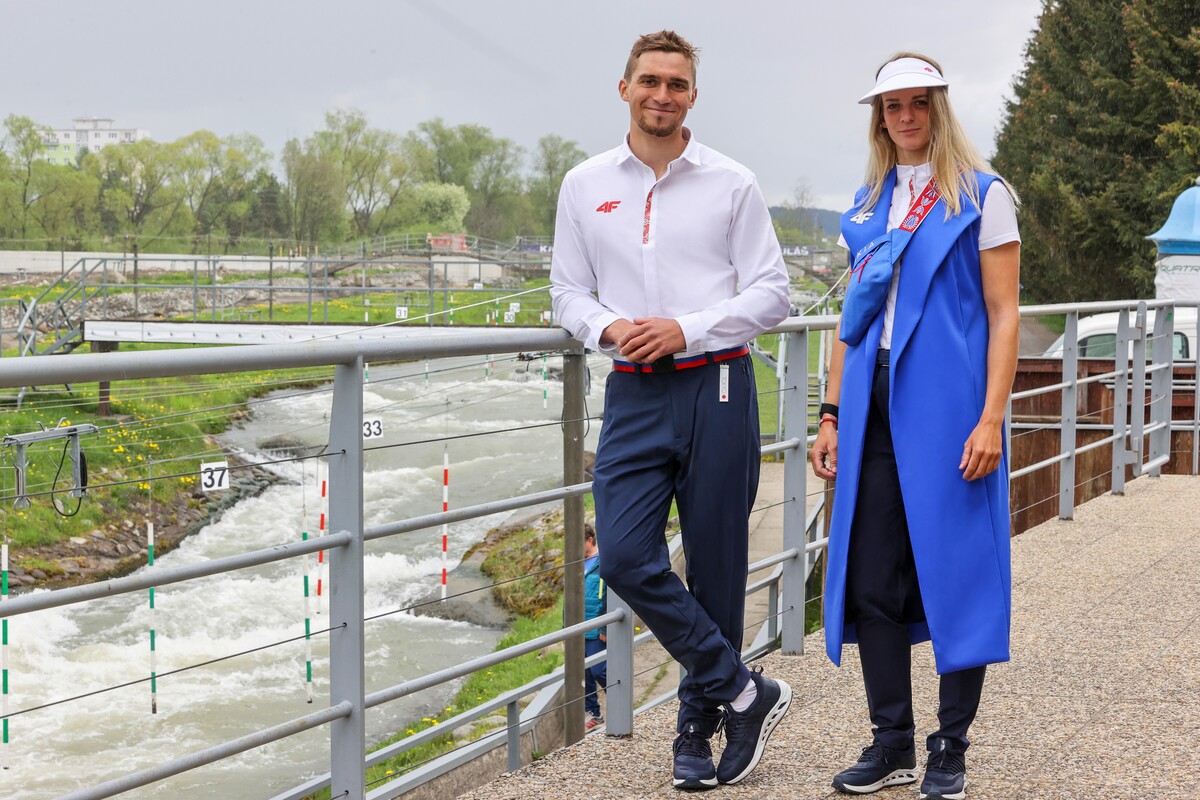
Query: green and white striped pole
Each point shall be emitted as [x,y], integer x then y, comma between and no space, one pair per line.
[153,633]
[308,670]
[4,652]
[544,395]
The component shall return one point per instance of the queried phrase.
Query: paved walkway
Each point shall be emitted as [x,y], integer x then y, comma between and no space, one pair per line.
[1100,702]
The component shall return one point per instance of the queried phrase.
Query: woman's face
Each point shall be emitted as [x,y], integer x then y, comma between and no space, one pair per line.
[906,118]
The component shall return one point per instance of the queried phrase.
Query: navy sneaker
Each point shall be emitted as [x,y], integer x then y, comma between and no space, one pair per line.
[693,760]
[945,772]
[746,733]
[877,767]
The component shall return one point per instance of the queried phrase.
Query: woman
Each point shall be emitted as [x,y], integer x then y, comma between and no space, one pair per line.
[914,413]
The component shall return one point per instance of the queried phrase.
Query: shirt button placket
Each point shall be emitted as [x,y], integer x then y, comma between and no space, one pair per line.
[652,190]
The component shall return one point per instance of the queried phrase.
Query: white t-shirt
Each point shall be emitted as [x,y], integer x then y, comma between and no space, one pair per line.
[997,225]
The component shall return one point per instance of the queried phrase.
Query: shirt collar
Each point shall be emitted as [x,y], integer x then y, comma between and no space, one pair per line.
[691,153]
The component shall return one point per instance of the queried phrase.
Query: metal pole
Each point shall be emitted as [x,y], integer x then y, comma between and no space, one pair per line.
[795,471]
[1196,402]
[195,288]
[573,412]
[1137,404]
[271,281]
[618,711]
[513,715]
[1160,388]
[1066,442]
[347,681]
[1120,447]
[136,307]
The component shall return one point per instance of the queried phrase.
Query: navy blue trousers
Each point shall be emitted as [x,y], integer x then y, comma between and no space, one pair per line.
[593,677]
[668,436]
[883,597]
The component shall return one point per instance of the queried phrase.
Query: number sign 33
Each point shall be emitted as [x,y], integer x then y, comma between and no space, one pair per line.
[372,427]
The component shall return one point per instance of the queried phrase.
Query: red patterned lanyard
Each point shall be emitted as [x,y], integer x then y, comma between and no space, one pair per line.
[920,207]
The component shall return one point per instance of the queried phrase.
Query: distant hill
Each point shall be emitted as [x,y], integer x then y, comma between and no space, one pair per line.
[827,221]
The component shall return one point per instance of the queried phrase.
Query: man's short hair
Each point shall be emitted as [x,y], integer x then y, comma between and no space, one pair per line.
[664,41]
[588,531]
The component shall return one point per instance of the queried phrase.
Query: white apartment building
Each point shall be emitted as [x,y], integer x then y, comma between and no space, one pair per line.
[64,146]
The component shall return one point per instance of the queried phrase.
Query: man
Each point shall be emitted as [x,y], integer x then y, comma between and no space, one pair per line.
[595,601]
[665,259]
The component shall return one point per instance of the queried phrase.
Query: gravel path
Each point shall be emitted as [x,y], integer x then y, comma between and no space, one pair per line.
[1101,699]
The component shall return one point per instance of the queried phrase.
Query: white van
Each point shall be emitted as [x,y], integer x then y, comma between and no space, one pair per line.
[1097,335]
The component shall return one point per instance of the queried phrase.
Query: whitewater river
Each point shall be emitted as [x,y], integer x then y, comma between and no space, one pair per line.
[64,652]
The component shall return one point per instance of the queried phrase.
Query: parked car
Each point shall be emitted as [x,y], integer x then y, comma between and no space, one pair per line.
[1097,335]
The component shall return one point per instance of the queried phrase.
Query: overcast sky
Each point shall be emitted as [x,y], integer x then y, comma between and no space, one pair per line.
[778,80]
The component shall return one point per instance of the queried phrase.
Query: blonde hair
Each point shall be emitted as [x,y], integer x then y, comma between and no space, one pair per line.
[953,159]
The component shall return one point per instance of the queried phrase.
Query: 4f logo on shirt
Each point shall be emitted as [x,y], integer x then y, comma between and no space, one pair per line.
[608,206]
[862,217]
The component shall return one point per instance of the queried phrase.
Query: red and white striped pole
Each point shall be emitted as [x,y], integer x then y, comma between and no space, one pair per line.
[445,508]
[324,504]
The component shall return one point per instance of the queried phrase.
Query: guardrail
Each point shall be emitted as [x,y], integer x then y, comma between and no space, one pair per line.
[348,700]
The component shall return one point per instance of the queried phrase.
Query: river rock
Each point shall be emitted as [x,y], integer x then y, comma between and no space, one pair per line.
[38,574]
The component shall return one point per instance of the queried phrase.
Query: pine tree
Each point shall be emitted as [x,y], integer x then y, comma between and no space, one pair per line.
[1103,134]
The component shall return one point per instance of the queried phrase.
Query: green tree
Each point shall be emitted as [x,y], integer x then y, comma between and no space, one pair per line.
[23,177]
[489,168]
[69,212]
[1103,133]
[214,175]
[552,159]
[373,169]
[140,193]
[315,193]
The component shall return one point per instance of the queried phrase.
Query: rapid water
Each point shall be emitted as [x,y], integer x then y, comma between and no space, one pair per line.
[60,653]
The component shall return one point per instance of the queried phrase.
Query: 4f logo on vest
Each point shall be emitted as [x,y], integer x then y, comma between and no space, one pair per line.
[862,217]
[608,206]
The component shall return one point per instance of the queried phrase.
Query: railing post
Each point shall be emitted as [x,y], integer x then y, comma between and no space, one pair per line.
[1137,403]
[795,463]
[1161,382]
[1120,447]
[346,640]
[513,715]
[1066,442]
[1196,399]
[573,413]
[618,712]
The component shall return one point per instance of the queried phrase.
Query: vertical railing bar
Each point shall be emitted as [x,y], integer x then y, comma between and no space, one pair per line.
[574,369]
[1137,406]
[347,681]
[795,464]
[1196,396]
[1161,385]
[1070,394]
[1120,451]
[513,711]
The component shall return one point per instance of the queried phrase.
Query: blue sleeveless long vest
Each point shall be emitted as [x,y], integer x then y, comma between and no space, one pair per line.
[938,378]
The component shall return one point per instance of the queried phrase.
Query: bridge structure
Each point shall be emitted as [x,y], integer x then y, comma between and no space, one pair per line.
[1065,687]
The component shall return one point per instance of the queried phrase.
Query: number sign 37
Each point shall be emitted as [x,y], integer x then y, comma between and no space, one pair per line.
[214,476]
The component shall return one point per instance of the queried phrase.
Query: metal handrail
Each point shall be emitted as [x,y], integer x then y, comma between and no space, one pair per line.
[788,571]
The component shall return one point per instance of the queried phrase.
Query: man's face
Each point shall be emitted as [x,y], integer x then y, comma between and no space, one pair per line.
[659,92]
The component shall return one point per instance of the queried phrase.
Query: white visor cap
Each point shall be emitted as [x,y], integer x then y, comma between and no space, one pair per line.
[905,73]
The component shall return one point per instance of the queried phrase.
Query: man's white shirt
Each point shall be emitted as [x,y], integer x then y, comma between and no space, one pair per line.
[696,246]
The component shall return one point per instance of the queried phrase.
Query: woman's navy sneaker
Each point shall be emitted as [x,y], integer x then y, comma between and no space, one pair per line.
[945,773]
[693,760]
[746,733]
[877,767]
